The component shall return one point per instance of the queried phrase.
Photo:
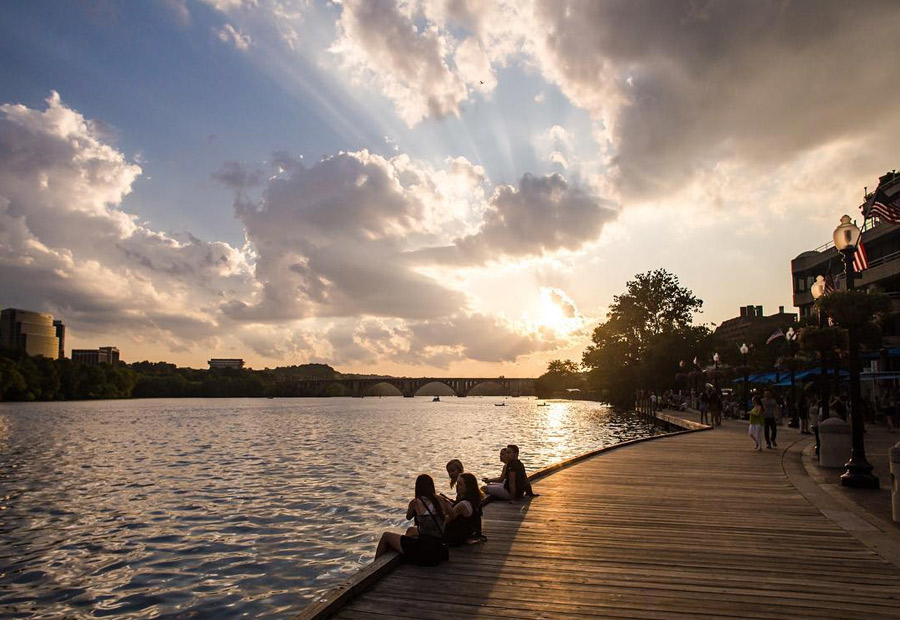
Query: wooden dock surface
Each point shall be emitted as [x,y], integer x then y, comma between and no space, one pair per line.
[692,526]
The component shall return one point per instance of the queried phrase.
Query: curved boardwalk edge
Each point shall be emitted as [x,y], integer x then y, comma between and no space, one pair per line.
[340,595]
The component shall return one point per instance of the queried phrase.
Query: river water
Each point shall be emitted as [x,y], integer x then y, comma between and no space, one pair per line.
[232,508]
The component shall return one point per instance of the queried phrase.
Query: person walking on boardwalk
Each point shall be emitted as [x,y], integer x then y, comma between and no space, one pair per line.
[704,407]
[715,408]
[422,543]
[770,418]
[756,422]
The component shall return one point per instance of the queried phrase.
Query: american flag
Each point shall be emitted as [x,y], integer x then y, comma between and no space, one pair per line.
[860,260]
[884,202]
[829,284]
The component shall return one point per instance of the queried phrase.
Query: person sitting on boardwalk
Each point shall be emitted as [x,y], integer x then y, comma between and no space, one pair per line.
[423,543]
[454,469]
[756,422]
[464,518]
[496,486]
[517,484]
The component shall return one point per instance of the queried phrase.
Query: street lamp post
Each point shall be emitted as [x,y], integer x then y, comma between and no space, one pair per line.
[791,337]
[859,471]
[744,351]
[716,370]
[817,290]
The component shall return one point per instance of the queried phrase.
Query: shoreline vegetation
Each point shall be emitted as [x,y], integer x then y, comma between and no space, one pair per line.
[25,379]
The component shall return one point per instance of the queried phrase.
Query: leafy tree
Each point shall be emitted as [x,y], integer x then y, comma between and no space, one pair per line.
[561,375]
[647,332]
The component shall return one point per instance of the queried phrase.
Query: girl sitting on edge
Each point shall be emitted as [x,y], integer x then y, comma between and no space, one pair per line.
[495,485]
[423,543]
[464,518]
[454,469]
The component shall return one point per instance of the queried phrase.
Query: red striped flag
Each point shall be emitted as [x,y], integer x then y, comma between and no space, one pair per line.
[860,260]
[884,202]
[829,284]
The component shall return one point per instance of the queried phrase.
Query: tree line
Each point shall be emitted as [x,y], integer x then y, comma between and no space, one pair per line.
[650,341]
[25,378]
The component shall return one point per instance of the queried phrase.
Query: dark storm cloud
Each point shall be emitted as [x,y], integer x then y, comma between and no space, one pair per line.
[692,83]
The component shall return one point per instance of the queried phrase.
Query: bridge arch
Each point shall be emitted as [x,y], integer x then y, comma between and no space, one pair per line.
[440,387]
[381,388]
[489,387]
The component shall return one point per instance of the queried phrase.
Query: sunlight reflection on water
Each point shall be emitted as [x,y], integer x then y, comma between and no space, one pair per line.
[240,507]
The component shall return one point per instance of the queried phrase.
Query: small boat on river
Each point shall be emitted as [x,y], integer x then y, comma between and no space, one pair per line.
[436,399]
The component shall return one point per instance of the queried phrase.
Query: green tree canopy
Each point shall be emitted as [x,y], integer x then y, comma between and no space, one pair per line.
[648,330]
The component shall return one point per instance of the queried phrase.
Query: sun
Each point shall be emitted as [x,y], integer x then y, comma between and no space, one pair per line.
[552,315]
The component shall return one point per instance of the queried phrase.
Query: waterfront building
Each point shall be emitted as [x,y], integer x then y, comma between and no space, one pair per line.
[61,335]
[881,240]
[225,362]
[92,357]
[752,321]
[28,331]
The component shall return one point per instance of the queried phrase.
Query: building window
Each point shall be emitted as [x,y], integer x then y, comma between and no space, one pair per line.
[800,284]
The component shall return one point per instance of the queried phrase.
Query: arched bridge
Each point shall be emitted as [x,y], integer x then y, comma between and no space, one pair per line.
[409,386]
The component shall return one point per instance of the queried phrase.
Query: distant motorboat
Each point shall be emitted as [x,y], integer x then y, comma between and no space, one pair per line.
[499,404]
[436,399]
[542,404]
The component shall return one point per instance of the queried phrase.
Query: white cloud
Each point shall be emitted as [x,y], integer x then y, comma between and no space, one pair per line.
[230,35]
[382,45]
[540,216]
[66,246]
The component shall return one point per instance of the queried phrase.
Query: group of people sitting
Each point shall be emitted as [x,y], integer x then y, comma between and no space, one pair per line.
[442,522]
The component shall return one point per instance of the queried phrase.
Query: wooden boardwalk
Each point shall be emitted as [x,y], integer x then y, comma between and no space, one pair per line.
[692,526]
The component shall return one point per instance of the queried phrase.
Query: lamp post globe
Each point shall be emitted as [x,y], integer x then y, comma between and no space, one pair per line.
[744,351]
[818,287]
[859,471]
[846,235]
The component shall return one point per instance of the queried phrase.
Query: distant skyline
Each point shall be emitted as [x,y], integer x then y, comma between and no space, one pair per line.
[423,187]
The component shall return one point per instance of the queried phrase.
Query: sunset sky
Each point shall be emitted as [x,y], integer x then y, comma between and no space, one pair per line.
[423,187]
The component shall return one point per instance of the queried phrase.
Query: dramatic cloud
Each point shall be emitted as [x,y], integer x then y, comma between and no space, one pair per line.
[335,267]
[381,44]
[541,216]
[686,84]
[66,246]
[674,88]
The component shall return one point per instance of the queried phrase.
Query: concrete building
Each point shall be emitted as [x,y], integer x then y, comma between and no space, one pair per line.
[226,362]
[61,335]
[752,320]
[103,355]
[32,332]
[882,244]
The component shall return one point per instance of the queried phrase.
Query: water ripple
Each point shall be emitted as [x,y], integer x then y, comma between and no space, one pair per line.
[236,508]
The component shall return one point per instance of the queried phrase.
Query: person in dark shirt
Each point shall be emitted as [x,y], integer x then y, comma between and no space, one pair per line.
[516,483]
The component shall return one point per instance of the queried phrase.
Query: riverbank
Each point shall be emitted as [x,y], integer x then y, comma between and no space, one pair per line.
[696,524]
